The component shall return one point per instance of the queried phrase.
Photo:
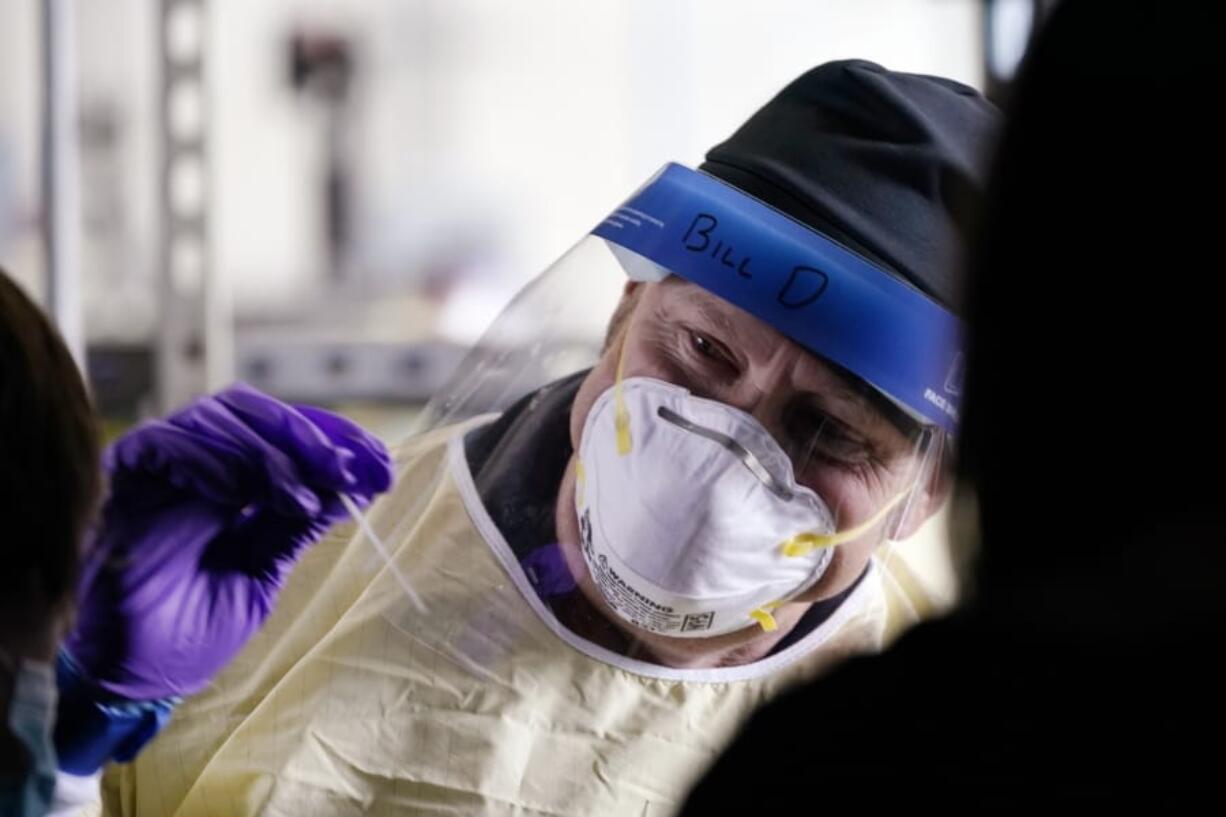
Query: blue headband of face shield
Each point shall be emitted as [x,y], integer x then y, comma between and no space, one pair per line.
[821,295]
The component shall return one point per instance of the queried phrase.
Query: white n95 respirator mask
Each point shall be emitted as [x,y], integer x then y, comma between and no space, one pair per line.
[691,519]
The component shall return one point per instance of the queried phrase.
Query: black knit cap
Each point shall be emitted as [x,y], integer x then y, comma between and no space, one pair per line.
[890,165]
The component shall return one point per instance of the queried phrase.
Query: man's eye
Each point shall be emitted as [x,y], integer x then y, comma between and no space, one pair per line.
[704,346]
[820,435]
[711,349]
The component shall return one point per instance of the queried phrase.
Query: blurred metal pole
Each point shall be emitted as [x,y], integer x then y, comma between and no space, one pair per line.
[195,349]
[61,177]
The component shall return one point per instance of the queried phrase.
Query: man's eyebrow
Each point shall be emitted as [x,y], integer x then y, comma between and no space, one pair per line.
[709,310]
[887,408]
[852,389]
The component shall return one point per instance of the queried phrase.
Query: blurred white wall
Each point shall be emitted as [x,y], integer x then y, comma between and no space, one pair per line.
[20,253]
[117,62]
[488,136]
[519,125]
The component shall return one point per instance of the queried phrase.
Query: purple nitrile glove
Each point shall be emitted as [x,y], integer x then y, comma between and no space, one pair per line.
[207,512]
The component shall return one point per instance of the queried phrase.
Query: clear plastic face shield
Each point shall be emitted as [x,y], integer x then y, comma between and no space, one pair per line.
[703,419]
[649,500]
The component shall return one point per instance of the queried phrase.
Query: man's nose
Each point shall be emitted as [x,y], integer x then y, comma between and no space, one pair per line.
[764,395]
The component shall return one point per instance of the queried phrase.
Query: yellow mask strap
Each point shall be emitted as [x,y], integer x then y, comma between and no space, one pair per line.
[764,618]
[803,544]
[580,479]
[621,415]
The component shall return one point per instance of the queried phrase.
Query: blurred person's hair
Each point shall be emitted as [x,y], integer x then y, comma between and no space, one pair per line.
[49,462]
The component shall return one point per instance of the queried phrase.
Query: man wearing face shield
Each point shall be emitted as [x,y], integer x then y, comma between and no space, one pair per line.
[616,555]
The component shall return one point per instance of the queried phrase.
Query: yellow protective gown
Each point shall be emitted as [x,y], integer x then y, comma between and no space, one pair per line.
[352,701]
